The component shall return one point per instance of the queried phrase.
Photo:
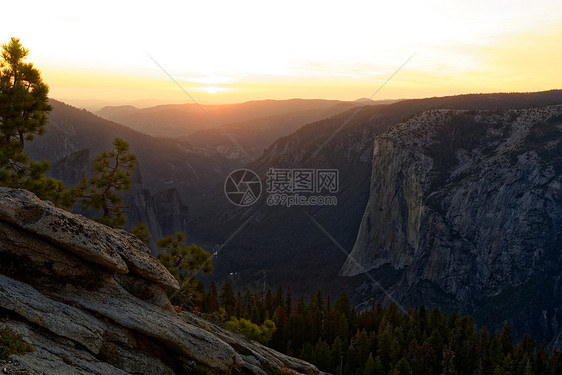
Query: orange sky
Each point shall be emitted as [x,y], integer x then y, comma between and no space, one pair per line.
[93,54]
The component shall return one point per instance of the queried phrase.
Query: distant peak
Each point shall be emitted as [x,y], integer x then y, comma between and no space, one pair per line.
[128,106]
[364,100]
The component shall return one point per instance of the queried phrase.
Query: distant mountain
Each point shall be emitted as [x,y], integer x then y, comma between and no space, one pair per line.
[179,121]
[371,101]
[94,105]
[109,112]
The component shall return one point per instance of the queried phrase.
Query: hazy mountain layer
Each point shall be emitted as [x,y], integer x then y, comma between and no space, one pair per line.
[178,121]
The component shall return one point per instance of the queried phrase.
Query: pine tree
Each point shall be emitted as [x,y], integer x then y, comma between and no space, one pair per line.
[141,231]
[385,347]
[24,106]
[279,296]
[288,301]
[556,362]
[495,352]
[248,303]
[322,356]
[279,340]
[212,302]
[506,339]
[184,262]
[238,305]
[269,304]
[370,366]
[508,365]
[528,369]
[403,367]
[379,370]
[227,298]
[112,175]
[337,354]
[342,306]
[525,346]
[362,344]
[342,328]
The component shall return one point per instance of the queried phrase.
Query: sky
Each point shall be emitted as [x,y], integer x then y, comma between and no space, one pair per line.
[119,52]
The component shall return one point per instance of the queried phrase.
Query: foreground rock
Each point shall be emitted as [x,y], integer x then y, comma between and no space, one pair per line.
[89,300]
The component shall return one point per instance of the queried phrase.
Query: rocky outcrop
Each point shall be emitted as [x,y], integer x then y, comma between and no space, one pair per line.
[90,300]
[467,205]
[116,251]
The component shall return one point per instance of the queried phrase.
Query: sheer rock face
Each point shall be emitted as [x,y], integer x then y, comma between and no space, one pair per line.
[164,212]
[89,300]
[467,206]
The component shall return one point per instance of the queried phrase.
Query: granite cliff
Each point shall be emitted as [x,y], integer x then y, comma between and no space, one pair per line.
[90,300]
[465,212]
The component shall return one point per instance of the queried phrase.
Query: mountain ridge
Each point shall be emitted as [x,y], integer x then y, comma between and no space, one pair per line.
[180,120]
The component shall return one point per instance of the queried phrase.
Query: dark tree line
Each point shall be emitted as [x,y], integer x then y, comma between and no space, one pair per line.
[382,340]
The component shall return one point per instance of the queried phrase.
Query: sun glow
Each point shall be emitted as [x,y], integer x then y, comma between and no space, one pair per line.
[314,49]
[211,89]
